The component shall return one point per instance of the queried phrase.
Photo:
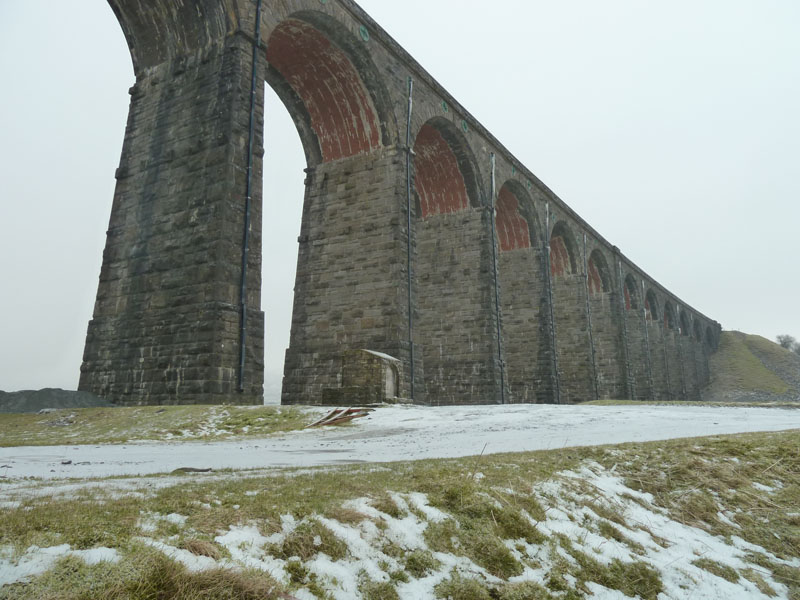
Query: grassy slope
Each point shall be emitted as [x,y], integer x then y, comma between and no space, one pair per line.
[120,425]
[696,480]
[749,365]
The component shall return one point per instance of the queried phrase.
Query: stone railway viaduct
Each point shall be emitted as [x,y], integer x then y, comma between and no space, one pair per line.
[422,237]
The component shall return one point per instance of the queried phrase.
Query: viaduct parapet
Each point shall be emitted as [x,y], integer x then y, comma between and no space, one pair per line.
[422,237]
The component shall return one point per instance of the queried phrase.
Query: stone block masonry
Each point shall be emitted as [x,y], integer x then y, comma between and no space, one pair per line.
[397,251]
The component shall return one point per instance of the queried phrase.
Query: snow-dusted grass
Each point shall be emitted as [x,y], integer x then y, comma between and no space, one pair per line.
[118,425]
[702,518]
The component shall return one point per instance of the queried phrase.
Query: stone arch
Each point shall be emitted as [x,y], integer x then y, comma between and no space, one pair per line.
[599,273]
[684,323]
[563,251]
[160,30]
[651,306]
[669,316]
[631,291]
[516,223]
[698,331]
[445,179]
[329,85]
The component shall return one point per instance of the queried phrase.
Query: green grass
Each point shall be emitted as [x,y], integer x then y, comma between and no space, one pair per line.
[693,479]
[736,368]
[119,425]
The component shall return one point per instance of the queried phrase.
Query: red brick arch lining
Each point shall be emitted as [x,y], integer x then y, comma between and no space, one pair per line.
[631,295]
[669,316]
[651,306]
[562,251]
[513,232]
[438,179]
[599,279]
[340,108]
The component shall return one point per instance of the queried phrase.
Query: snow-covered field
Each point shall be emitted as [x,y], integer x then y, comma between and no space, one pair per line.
[403,433]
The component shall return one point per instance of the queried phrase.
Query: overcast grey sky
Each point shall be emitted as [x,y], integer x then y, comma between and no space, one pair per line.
[672,127]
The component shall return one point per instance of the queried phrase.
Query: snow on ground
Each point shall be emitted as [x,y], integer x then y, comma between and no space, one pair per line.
[35,561]
[648,536]
[403,433]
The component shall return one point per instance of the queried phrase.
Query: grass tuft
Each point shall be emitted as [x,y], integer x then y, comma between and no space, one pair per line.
[457,587]
[309,539]
[725,572]
[146,575]
[202,548]
[377,590]
[420,563]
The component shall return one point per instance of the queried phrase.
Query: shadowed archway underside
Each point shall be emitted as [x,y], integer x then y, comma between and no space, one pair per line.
[340,109]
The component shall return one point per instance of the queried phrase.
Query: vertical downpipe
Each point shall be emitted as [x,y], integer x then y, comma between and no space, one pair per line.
[589,320]
[626,351]
[409,248]
[492,211]
[248,201]
[647,342]
[549,279]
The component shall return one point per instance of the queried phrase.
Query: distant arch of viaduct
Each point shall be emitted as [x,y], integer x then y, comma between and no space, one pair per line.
[422,237]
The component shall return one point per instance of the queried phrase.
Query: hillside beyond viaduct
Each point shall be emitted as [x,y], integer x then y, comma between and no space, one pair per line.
[423,239]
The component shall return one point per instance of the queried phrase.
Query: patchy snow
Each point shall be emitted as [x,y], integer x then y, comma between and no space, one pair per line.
[191,561]
[409,433]
[765,488]
[35,561]
[568,498]
[646,524]
[404,433]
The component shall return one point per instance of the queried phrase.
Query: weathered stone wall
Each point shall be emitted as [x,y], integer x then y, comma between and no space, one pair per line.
[522,294]
[607,336]
[350,289]
[638,355]
[576,373]
[166,325]
[689,368]
[166,321]
[677,370]
[661,389]
[456,324]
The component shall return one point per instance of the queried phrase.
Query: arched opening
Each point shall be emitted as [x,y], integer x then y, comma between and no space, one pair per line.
[651,306]
[698,331]
[325,78]
[563,251]
[447,269]
[516,227]
[316,68]
[283,188]
[684,320]
[599,275]
[520,277]
[669,316]
[444,177]
[631,292]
